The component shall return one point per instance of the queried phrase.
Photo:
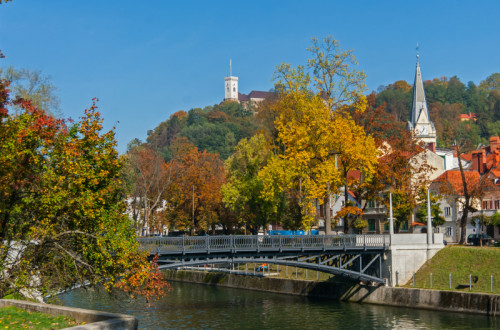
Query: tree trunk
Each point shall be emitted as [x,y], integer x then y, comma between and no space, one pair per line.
[465,211]
[346,200]
[463,220]
[328,218]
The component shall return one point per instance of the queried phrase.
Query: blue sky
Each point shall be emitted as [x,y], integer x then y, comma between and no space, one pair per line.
[145,60]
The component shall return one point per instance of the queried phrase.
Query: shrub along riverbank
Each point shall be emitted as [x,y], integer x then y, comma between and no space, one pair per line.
[464,263]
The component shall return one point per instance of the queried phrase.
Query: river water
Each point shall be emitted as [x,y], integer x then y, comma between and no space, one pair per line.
[195,306]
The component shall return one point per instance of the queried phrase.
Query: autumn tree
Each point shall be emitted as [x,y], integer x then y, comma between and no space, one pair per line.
[61,212]
[318,146]
[149,178]
[195,198]
[464,188]
[320,142]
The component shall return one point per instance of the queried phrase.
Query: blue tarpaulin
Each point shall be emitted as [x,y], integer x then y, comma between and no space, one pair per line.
[292,232]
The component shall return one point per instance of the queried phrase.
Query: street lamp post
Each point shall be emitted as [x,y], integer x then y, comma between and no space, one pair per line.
[429,219]
[391,218]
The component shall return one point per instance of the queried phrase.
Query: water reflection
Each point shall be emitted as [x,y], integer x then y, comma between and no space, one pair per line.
[192,306]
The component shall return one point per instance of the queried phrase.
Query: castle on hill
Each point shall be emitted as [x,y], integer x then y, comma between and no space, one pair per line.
[231,92]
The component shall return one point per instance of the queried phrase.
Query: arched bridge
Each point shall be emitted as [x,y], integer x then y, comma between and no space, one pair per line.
[358,257]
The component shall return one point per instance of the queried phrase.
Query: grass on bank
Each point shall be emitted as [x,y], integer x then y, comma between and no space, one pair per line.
[15,318]
[460,262]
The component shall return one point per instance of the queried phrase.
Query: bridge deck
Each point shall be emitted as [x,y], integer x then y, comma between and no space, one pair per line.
[260,244]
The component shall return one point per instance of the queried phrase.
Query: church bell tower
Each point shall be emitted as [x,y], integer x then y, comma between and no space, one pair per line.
[420,123]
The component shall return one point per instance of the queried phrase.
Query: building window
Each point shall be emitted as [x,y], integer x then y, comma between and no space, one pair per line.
[485,205]
[371,224]
[386,226]
[497,205]
[448,231]
[447,211]
[371,204]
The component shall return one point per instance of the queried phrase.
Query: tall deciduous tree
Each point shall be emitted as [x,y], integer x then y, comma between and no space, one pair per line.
[243,191]
[150,177]
[62,217]
[195,198]
[320,142]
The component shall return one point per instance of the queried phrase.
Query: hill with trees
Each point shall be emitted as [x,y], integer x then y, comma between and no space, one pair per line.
[220,127]
[447,98]
[284,158]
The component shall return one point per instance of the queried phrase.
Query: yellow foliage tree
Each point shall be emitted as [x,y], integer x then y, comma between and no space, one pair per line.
[318,140]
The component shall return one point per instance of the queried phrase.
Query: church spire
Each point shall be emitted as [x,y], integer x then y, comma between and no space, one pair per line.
[420,122]
[419,103]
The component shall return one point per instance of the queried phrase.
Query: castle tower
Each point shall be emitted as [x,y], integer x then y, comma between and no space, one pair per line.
[231,86]
[420,123]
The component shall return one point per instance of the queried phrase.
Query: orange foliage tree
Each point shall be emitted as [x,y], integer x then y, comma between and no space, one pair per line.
[195,200]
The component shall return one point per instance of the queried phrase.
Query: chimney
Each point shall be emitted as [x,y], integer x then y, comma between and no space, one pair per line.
[477,160]
[494,143]
[432,147]
[482,165]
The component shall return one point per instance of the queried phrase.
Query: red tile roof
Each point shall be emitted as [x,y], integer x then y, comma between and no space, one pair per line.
[454,178]
[466,157]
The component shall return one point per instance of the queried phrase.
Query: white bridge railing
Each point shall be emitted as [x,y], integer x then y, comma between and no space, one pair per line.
[254,243]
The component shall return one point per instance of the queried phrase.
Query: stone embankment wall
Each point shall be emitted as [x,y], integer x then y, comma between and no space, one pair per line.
[420,298]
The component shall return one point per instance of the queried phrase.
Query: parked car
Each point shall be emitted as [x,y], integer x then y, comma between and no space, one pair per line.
[477,239]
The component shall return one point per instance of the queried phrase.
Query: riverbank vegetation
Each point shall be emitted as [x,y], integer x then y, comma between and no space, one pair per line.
[15,318]
[481,263]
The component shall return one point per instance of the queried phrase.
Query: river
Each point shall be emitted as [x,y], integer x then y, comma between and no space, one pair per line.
[196,306]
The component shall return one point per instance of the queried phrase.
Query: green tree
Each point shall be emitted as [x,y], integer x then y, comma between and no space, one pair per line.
[243,191]
[33,86]
[436,214]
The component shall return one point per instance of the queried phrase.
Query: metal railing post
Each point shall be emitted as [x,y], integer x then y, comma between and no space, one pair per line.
[183,244]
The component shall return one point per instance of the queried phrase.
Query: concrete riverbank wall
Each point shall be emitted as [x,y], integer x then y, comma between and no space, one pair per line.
[477,303]
[94,320]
